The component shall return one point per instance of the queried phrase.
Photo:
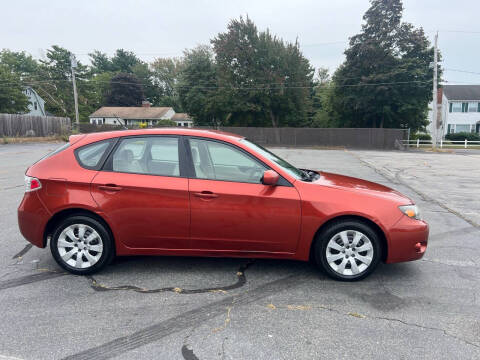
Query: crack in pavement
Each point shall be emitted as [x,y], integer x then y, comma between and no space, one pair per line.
[360,316]
[241,281]
[185,320]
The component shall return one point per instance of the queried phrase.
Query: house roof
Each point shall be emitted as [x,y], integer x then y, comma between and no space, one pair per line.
[181,117]
[137,112]
[462,92]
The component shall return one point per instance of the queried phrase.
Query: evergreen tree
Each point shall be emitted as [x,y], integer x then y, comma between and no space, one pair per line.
[12,98]
[125,90]
[385,80]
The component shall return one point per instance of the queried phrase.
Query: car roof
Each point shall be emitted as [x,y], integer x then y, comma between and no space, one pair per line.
[214,134]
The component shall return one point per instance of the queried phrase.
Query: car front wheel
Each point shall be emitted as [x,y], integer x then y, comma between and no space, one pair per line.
[348,250]
[81,245]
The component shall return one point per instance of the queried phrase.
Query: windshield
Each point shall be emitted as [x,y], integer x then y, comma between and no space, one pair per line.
[292,170]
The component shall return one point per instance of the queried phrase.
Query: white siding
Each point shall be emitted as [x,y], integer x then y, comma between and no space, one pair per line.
[460,118]
[36,104]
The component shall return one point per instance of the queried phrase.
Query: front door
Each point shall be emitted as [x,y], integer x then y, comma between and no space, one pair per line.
[143,193]
[232,210]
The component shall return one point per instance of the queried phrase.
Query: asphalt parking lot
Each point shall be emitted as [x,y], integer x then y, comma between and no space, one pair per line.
[200,308]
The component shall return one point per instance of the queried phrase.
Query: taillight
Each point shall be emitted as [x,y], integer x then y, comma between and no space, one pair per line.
[32,184]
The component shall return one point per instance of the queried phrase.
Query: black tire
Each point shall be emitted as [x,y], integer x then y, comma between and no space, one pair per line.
[330,231]
[105,257]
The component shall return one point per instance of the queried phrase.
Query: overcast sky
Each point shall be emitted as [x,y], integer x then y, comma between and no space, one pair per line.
[165,28]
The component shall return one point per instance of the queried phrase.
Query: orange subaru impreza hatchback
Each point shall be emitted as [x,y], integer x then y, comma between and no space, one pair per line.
[207,193]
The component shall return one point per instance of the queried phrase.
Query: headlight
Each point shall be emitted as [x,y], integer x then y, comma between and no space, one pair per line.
[412,211]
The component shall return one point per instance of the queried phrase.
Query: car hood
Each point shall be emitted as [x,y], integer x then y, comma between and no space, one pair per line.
[359,185]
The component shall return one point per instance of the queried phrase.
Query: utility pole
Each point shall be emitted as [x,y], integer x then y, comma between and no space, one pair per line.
[435,100]
[73,65]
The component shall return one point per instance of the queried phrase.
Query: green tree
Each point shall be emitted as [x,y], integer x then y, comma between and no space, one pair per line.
[101,63]
[198,88]
[322,113]
[385,80]
[124,61]
[125,90]
[57,88]
[152,92]
[20,63]
[166,72]
[99,88]
[12,98]
[267,77]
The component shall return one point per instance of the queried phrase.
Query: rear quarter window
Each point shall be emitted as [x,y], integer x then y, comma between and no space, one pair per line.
[91,156]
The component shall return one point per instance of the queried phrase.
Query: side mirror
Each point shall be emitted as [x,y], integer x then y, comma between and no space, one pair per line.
[270,177]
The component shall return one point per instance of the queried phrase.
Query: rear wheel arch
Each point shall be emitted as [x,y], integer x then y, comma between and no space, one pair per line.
[63,214]
[378,230]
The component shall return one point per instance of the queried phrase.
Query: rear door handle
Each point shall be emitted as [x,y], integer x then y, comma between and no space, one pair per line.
[110,187]
[205,195]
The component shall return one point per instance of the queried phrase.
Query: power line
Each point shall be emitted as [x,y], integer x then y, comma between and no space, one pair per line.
[460,31]
[268,87]
[463,71]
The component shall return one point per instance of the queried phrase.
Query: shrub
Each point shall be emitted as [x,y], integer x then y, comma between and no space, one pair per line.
[421,136]
[461,136]
[165,123]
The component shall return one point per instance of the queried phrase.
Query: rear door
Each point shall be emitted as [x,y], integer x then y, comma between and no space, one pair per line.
[143,191]
[231,209]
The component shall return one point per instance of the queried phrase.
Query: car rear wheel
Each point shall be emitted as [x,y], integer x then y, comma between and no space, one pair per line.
[81,245]
[348,250]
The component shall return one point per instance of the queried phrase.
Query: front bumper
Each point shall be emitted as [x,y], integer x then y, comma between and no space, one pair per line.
[32,218]
[407,241]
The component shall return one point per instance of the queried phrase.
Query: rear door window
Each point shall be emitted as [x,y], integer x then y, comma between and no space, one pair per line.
[153,155]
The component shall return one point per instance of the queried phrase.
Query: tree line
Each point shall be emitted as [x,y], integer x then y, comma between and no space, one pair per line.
[246,77]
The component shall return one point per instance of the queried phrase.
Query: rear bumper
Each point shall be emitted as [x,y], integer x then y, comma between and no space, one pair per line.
[407,241]
[32,219]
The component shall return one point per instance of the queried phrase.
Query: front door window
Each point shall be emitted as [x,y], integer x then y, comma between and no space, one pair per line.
[214,160]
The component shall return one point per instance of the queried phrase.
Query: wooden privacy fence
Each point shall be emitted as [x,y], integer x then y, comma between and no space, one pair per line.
[361,138]
[366,138]
[13,125]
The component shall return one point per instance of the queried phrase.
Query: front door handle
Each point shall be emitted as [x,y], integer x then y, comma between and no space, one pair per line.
[205,195]
[110,187]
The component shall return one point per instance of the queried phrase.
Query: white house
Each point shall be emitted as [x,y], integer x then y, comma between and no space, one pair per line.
[458,109]
[136,115]
[36,104]
[182,119]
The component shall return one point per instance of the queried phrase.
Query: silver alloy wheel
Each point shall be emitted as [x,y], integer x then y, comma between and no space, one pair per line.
[349,252]
[80,246]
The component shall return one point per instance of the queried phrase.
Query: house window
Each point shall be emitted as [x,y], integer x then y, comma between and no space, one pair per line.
[462,128]
[464,107]
[179,124]
[450,129]
[472,107]
[103,120]
[455,107]
[35,105]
